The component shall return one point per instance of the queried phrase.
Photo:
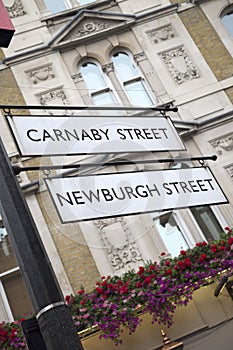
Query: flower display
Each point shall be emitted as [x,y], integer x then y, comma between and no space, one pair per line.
[117,302]
[11,337]
[155,288]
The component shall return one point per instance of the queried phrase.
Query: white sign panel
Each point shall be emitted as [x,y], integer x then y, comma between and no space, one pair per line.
[62,135]
[108,195]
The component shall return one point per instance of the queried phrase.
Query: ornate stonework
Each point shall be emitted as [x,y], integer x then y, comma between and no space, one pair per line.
[161,34]
[77,78]
[90,27]
[127,253]
[223,144]
[56,94]
[229,170]
[16,9]
[139,56]
[41,73]
[179,65]
[107,68]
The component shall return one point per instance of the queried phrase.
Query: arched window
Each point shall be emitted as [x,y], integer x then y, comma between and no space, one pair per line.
[131,79]
[96,83]
[227,19]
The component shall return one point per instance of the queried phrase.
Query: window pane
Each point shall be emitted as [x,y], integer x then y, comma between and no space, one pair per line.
[207,222]
[7,257]
[103,99]
[170,233]
[84,2]
[137,94]
[124,66]
[228,22]
[92,76]
[17,295]
[55,5]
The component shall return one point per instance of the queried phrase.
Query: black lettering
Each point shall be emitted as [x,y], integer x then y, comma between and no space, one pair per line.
[122,136]
[164,133]
[92,195]
[152,190]
[169,191]
[77,196]
[184,187]
[74,135]
[142,193]
[58,134]
[95,134]
[155,133]
[193,186]
[85,134]
[30,137]
[129,192]
[46,135]
[116,195]
[68,200]
[201,185]
[209,180]
[138,133]
[175,183]
[106,193]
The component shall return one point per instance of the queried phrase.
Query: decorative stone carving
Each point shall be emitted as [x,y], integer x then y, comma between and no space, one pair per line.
[119,256]
[56,94]
[16,9]
[139,57]
[179,65]
[224,144]
[107,68]
[42,73]
[77,78]
[90,27]
[229,171]
[161,34]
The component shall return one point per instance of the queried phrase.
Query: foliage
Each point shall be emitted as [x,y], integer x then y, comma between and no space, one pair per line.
[11,336]
[157,288]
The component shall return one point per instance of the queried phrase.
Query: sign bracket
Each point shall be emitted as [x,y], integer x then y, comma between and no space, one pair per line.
[47,168]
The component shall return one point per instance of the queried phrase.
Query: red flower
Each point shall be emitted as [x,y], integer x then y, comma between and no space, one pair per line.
[168,272]
[147,281]
[214,250]
[221,248]
[163,253]
[167,263]
[227,229]
[99,290]
[203,257]
[138,284]
[180,263]
[187,262]
[81,291]
[230,241]
[183,252]
[141,270]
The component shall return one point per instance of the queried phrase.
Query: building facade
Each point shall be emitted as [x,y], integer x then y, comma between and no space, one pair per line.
[123,53]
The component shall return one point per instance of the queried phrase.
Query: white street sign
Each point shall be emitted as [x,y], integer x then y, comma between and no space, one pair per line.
[77,135]
[117,194]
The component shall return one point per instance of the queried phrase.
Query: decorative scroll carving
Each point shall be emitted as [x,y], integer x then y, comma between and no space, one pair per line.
[224,144]
[56,94]
[179,65]
[161,34]
[121,256]
[16,9]
[89,28]
[41,73]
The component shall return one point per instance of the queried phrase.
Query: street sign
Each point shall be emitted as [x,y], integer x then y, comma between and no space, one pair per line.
[116,194]
[78,135]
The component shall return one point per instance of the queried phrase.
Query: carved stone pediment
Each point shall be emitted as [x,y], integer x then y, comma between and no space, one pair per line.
[90,24]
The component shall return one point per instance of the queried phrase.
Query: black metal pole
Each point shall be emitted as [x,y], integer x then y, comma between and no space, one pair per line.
[54,319]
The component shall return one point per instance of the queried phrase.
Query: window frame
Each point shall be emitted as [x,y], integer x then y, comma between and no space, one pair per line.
[134,79]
